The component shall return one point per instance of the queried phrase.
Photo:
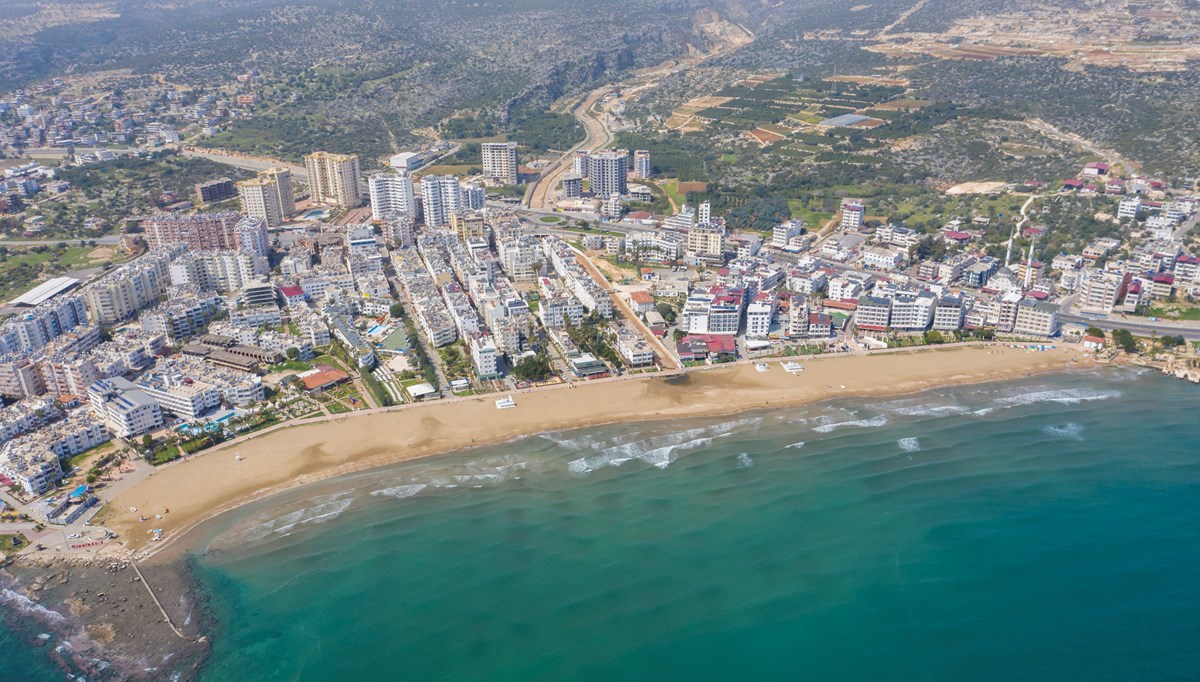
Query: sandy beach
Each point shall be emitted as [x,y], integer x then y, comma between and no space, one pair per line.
[217,481]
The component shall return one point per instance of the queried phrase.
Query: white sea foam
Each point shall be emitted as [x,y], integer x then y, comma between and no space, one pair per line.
[744,461]
[19,602]
[1065,396]
[1068,431]
[796,446]
[401,491]
[658,451]
[911,408]
[832,426]
[910,444]
[327,507]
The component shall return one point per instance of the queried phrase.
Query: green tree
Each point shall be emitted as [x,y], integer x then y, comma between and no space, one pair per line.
[532,368]
[396,311]
[1095,331]
[147,442]
[1124,340]
[292,353]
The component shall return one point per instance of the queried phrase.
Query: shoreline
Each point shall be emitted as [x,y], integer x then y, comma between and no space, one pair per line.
[293,455]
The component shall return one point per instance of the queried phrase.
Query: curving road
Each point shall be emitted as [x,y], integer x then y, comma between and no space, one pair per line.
[597,136]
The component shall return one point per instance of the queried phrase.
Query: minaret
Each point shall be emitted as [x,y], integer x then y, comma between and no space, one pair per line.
[1008,253]
[1029,264]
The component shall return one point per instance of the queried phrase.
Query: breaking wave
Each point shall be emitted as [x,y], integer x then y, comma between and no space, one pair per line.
[831,426]
[23,604]
[1065,396]
[744,461]
[401,491]
[327,508]
[658,451]
[910,444]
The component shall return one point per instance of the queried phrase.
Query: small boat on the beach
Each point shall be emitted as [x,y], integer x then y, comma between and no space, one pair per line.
[792,367]
[761,367]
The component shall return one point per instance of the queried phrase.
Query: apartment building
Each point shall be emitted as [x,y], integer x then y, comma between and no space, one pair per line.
[221,271]
[198,232]
[783,233]
[33,329]
[214,191]
[873,313]
[642,167]
[912,312]
[267,199]
[333,179]
[120,294]
[948,313]
[759,314]
[572,186]
[1036,318]
[853,214]
[391,193]
[182,316]
[1101,291]
[500,162]
[706,243]
[441,197]
[469,226]
[607,173]
[125,409]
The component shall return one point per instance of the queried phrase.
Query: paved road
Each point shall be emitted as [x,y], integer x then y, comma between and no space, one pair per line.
[254,163]
[665,358]
[106,240]
[1139,326]
[597,137]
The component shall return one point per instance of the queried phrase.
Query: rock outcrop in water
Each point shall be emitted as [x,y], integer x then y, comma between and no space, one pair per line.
[96,618]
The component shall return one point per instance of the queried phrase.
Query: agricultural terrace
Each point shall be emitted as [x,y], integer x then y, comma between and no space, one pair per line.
[801,118]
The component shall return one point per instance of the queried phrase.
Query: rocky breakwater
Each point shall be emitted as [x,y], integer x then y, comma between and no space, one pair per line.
[106,619]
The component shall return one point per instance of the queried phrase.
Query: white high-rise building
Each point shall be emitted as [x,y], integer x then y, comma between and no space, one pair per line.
[268,196]
[607,173]
[252,239]
[579,163]
[853,213]
[641,163]
[441,196]
[333,179]
[391,193]
[474,196]
[705,213]
[572,186]
[500,162]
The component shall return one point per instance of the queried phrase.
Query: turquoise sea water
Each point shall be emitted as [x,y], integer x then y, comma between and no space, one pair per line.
[1046,529]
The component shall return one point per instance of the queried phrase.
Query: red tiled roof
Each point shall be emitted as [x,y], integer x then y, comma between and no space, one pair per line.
[323,378]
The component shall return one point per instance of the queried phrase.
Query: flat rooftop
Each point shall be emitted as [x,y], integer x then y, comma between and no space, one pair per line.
[45,291]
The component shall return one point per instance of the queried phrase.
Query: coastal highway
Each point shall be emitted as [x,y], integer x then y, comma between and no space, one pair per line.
[1140,326]
[597,136]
